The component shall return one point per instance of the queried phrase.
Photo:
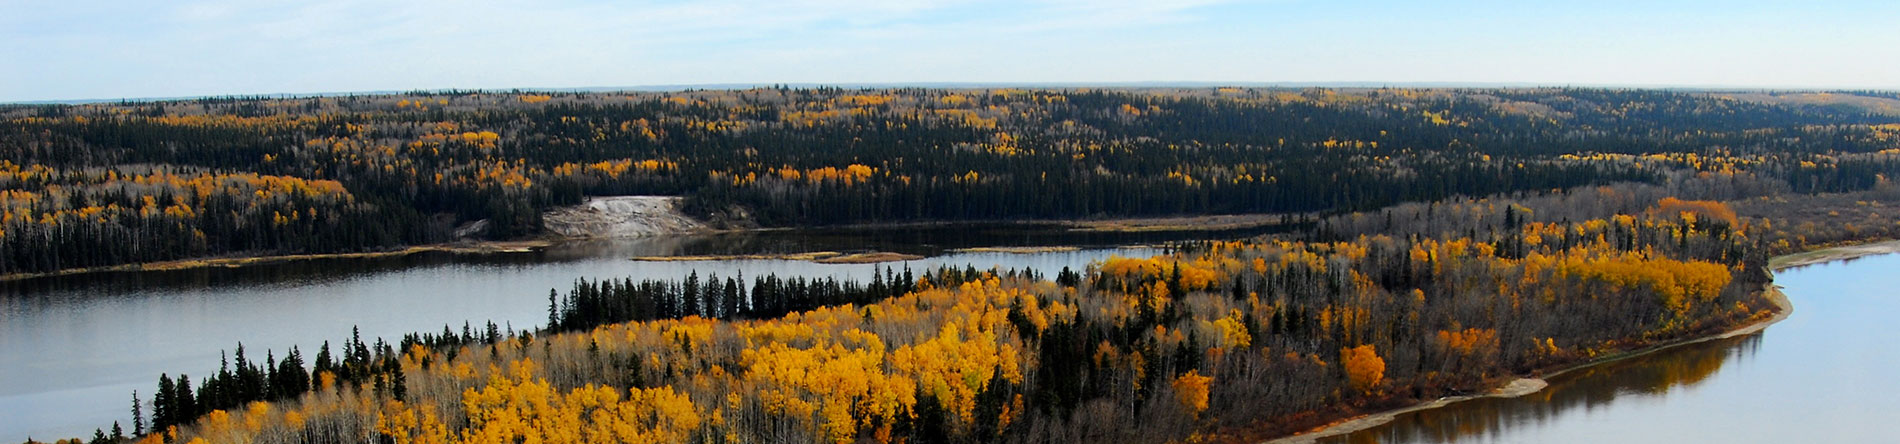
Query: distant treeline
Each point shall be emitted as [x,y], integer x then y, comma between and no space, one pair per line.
[106,184]
[607,301]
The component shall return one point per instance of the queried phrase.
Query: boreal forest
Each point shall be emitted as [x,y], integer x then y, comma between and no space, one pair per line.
[1442,242]
[102,184]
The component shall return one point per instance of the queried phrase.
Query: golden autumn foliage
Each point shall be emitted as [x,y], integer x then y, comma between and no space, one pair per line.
[615,168]
[161,200]
[520,407]
[1191,390]
[852,389]
[832,373]
[1233,332]
[1677,284]
[485,139]
[1468,341]
[516,406]
[1695,209]
[1196,274]
[1364,369]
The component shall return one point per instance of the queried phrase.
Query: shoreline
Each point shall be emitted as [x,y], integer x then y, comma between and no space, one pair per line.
[1132,224]
[817,257]
[1119,225]
[484,247]
[1833,254]
[1525,385]
[1018,250]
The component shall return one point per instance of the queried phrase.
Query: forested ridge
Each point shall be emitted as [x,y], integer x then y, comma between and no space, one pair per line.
[104,184]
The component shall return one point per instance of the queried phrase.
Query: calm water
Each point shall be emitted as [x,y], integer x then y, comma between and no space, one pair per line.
[1826,374]
[72,349]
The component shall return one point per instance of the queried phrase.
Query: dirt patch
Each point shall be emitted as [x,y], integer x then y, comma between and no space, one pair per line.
[869,258]
[621,217]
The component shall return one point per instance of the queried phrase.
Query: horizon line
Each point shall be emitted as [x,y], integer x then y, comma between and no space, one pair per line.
[679,87]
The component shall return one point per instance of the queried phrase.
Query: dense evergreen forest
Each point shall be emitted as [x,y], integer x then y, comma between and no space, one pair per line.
[103,184]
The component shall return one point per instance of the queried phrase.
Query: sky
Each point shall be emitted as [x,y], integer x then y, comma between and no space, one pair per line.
[110,49]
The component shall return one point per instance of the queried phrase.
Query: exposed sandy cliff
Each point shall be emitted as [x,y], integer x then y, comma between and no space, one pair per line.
[621,216]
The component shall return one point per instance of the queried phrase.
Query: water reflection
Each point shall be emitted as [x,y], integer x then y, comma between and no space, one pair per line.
[1585,390]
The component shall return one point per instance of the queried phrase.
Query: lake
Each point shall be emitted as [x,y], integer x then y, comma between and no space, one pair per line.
[1825,374]
[73,348]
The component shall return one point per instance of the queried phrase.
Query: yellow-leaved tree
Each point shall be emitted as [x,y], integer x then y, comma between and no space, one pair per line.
[1364,368]
[1191,389]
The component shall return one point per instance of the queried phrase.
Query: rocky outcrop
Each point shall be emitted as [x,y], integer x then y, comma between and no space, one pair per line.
[621,216]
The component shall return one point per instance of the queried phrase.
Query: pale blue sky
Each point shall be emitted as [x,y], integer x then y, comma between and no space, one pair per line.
[78,49]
